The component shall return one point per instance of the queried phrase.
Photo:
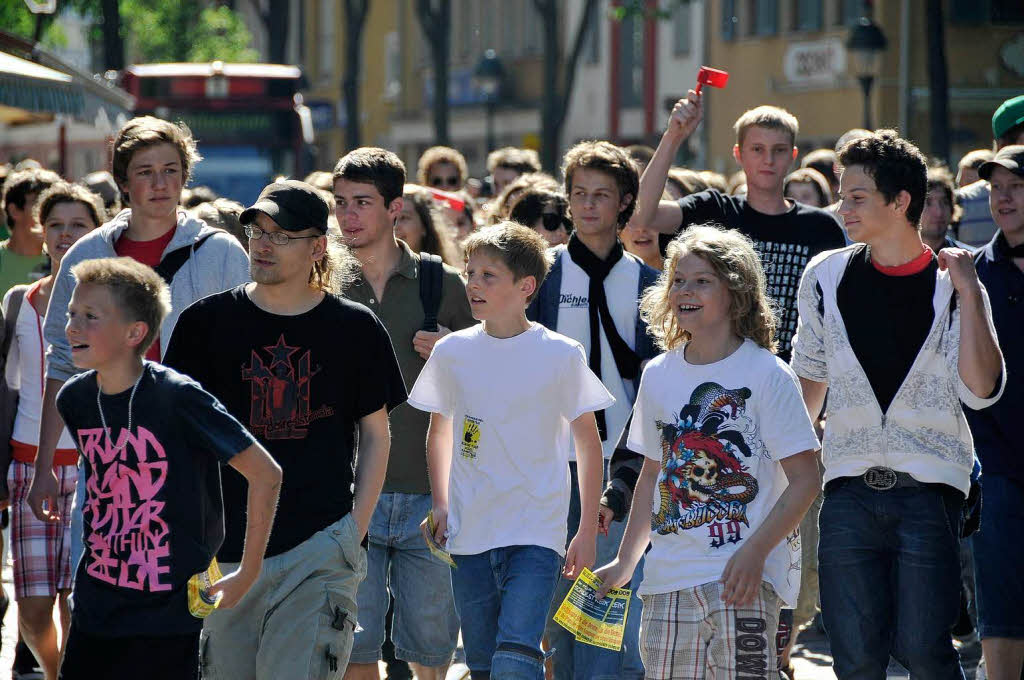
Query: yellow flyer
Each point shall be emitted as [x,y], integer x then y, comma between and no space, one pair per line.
[427,528]
[599,623]
[200,603]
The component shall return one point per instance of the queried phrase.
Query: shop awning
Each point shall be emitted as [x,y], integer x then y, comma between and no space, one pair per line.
[35,89]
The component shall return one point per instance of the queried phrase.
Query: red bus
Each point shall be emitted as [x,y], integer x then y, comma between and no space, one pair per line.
[248,119]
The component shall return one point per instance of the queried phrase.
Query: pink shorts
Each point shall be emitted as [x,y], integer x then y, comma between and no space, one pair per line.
[41,550]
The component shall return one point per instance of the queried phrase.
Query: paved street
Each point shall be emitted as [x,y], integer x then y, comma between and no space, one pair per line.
[811,658]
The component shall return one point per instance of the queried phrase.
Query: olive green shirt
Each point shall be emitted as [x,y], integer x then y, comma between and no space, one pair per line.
[401,312]
[17,269]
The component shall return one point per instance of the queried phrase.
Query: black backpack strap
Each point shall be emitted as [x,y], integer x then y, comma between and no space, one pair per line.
[431,283]
[176,259]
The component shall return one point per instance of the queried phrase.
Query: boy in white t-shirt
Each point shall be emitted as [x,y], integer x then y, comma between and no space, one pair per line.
[512,392]
[729,468]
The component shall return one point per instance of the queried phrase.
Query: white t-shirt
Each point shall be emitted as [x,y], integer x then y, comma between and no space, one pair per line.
[25,374]
[719,431]
[620,289]
[511,401]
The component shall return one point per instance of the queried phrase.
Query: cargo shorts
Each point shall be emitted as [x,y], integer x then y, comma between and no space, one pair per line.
[299,618]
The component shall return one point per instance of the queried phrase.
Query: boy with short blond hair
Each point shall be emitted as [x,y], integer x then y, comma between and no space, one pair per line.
[509,448]
[786,234]
[152,442]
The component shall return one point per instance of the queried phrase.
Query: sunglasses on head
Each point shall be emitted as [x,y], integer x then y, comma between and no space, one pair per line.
[444,181]
[552,221]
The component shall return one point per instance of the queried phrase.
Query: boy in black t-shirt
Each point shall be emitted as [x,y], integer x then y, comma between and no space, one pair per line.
[306,371]
[152,442]
[786,234]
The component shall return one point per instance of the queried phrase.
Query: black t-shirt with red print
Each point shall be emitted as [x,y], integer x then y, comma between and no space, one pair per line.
[300,384]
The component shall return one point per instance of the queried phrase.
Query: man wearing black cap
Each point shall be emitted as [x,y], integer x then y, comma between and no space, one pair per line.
[976,224]
[1000,264]
[306,371]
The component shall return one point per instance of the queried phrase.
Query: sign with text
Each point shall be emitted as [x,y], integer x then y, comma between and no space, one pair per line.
[815,63]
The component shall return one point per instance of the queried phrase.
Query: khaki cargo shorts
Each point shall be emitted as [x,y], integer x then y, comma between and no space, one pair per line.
[298,620]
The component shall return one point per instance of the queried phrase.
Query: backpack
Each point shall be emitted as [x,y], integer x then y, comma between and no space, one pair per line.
[175,260]
[431,284]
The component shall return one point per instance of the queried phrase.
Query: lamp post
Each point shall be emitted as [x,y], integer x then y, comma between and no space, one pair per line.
[488,77]
[866,43]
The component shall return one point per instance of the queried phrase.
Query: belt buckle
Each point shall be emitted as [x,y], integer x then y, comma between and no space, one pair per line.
[880,478]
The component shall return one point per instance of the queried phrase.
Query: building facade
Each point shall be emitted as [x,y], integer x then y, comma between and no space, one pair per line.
[792,53]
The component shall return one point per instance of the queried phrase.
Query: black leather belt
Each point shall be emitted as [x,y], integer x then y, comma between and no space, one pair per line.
[879,479]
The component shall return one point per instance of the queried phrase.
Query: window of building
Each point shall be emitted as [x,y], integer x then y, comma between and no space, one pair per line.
[631,60]
[531,29]
[729,19]
[766,14]
[985,11]
[592,42]
[327,28]
[808,15]
[850,11]
[681,28]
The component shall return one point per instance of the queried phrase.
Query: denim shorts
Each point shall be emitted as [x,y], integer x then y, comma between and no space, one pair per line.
[997,558]
[502,596]
[425,628]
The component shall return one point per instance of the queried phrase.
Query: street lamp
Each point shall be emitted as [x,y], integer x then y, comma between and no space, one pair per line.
[488,77]
[866,43]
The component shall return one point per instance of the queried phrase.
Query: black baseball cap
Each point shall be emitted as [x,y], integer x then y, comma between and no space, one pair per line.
[294,205]
[1009,157]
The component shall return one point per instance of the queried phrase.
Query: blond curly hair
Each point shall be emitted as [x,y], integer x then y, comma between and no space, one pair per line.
[733,259]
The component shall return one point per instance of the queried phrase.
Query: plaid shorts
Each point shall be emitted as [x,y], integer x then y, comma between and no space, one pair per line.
[692,635]
[41,551]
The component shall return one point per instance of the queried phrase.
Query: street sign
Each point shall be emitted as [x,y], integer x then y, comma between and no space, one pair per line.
[42,6]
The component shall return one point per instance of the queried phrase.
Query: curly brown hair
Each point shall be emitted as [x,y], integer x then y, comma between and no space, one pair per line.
[65,192]
[734,260]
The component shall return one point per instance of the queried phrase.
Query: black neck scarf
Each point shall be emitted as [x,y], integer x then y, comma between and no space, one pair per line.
[626,360]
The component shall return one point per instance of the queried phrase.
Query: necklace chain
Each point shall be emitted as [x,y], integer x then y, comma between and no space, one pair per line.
[103,420]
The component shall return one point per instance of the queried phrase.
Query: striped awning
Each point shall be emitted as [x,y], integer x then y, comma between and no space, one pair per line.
[37,89]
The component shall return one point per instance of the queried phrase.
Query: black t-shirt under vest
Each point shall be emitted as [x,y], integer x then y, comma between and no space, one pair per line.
[887,319]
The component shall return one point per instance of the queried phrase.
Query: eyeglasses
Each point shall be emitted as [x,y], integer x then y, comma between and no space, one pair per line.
[552,221]
[278,238]
[438,182]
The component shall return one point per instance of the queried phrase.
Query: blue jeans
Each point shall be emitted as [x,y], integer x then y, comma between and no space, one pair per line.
[998,557]
[502,597]
[425,628]
[889,570]
[579,661]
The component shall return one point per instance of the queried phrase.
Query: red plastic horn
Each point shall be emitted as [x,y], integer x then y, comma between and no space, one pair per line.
[711,76]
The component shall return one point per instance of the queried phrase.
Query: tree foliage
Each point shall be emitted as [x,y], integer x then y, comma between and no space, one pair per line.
[178,30]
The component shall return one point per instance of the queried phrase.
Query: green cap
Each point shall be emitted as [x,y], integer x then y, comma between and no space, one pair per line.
[1009,113]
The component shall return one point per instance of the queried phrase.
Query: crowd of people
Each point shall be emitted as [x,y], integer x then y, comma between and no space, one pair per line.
[746,398]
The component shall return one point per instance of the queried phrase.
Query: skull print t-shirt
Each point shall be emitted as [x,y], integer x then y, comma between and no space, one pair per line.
[152,515]
[719,431]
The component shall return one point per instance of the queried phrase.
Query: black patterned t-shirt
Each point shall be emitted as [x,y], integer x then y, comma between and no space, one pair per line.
[786,243]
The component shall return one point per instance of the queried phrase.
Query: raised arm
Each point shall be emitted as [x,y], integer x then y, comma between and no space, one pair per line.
[651,211]
[371,465]
[980,361]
